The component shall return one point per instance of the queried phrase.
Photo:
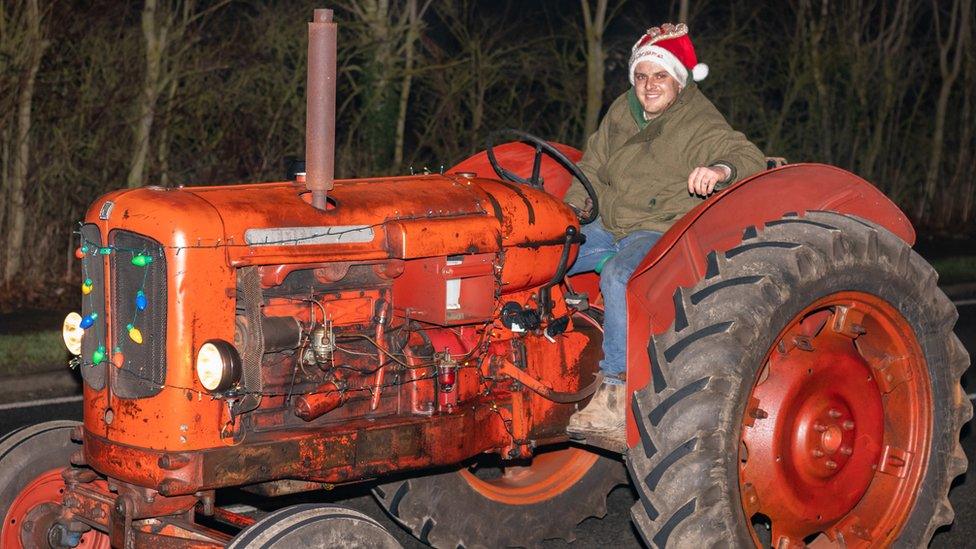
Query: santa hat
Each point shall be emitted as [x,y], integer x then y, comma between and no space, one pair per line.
[669,47]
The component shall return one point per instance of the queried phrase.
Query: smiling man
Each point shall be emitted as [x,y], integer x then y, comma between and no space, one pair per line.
[660,150]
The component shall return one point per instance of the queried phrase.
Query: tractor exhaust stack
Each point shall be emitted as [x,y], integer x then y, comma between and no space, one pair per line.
[320,115]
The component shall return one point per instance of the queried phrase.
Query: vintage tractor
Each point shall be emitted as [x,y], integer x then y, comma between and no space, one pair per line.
[794,373]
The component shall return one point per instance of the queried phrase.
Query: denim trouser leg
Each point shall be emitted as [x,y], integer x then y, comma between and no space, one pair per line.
[613,285]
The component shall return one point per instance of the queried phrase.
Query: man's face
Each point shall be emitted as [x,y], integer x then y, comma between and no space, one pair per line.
[656,89]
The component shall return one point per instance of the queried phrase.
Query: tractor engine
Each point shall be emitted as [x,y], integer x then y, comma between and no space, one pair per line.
[238,335]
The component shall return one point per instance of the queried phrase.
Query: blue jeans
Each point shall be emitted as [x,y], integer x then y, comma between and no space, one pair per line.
[629,250]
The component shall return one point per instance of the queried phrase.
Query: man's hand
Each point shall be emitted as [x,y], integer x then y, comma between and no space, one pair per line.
[585,210]
[702,180]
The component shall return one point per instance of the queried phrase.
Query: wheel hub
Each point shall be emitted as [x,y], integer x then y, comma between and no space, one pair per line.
[31,520]
[841,390]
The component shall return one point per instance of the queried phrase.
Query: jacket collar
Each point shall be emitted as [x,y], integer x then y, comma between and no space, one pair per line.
[651,129]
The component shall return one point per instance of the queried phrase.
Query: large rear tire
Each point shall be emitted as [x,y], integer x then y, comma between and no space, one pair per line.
[503,504]
[808,392]
[31,487]
[510,507]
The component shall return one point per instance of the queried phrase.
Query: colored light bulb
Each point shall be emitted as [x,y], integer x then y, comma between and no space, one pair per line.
[99,355]
[105,251]
[80,253]
[118,359]
[141,300]
[134,333]
[88,321]
[141,260]
[84,249]
[86,286]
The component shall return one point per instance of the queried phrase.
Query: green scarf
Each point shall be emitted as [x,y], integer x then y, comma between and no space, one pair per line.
[636,110]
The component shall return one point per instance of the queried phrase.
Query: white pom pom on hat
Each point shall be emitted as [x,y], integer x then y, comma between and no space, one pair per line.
[699,72]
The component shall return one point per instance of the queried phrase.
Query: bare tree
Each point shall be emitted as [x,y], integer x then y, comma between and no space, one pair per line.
[594,23]
[34,47]
[952,44]
[170,29]
[414,17]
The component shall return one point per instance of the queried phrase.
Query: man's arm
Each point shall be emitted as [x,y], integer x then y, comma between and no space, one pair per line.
[595,155]
[723,156]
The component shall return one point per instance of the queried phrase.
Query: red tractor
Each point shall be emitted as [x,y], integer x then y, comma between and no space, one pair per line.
[794,373]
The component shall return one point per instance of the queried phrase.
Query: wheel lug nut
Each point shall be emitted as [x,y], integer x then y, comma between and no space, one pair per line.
[817,453]
[819,427]
[834,413]
[848,425]
[846,450]
[831,464]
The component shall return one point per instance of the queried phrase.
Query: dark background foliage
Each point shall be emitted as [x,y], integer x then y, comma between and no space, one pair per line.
[100,94]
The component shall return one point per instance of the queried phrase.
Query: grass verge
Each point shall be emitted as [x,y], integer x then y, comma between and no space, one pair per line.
[22,354]
[955,270]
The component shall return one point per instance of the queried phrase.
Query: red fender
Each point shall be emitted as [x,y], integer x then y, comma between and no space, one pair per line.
[717,224]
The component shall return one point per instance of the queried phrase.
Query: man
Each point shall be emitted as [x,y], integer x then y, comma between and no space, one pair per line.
[659,151]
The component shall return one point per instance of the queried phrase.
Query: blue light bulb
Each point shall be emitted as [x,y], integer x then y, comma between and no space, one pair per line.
[88,321]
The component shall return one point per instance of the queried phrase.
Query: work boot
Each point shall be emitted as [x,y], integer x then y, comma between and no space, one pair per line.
[602,422]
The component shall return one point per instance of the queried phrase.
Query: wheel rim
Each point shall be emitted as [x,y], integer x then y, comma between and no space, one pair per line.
[836,431]
[549,475]
[28,506]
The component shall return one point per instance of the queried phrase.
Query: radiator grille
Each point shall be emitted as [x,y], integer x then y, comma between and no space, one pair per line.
[93,267]
[144,370]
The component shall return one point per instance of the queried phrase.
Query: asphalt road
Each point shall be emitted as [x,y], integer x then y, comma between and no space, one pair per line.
[614,530]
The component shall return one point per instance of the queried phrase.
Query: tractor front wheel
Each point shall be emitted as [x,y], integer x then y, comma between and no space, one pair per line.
[311,525]
[807,394]
[31,487]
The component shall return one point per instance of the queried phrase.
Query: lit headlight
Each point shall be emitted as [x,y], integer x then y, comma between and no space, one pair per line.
[218,365]
[71,333]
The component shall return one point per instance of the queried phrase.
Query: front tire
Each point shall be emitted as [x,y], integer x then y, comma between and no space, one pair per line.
[311,525]
[31,486]
[809,385]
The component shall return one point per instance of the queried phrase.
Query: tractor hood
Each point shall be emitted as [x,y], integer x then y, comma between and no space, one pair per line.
[401,217]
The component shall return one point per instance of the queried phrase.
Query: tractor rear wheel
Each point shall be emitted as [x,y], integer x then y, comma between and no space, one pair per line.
[505,506]
[502,504]
[31,487]
[807,393]
[311,525]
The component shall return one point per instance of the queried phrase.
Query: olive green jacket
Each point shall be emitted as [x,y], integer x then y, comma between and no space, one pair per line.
[641,175]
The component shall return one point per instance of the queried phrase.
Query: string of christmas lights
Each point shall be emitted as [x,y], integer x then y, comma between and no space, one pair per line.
[138,257]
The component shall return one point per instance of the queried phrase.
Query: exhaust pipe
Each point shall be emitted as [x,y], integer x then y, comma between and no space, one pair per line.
[320,107]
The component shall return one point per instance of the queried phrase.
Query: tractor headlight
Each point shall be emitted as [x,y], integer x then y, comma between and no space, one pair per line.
[71,333]
[218,365]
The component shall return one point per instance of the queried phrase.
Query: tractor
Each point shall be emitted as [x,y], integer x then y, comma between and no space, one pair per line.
[793,372]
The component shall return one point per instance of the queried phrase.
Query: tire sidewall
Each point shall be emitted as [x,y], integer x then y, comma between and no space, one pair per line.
[911,302]
[21,462]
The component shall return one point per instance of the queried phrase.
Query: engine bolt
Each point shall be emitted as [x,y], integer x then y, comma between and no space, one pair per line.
[28,525]
[831,464]
[819,427]
[834,413]
[848,425]
[846,450]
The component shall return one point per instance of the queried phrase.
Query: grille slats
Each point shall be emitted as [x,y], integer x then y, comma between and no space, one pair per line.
[144,370]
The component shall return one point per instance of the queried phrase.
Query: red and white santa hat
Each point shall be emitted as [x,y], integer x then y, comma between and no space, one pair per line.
[670,47]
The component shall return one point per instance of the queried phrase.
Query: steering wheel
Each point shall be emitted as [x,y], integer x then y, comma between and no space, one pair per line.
[535,180]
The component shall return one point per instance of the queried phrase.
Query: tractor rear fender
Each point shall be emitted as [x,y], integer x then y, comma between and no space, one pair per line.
[680,258]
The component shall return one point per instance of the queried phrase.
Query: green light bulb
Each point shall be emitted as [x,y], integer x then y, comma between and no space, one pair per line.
[99,355]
